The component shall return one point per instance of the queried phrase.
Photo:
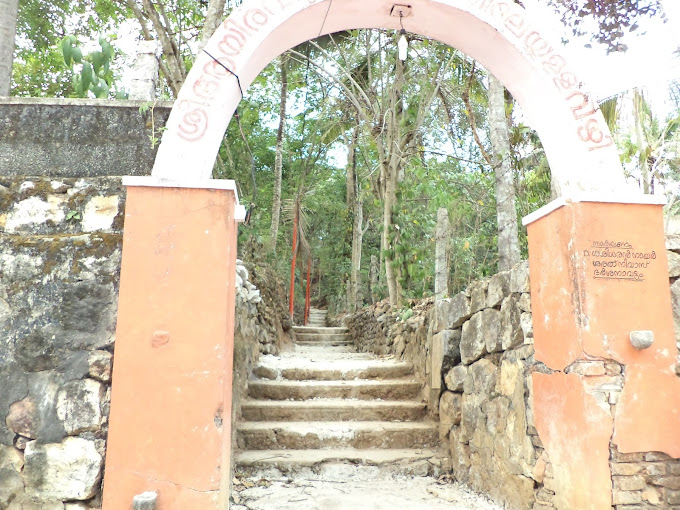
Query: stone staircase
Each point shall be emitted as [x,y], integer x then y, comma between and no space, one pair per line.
[323,404]
[317,318]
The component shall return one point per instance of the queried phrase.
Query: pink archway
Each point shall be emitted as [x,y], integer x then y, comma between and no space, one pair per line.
[497,33]
[174,340]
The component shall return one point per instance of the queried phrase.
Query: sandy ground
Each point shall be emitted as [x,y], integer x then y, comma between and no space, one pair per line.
[407,493]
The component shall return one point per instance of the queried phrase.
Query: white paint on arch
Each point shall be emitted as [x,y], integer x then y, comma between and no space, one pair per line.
[496,33]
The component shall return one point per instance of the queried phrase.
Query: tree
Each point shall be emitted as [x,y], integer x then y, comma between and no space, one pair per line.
[506,212]
[392,103]
[278,163]
[606,21]
[8,25]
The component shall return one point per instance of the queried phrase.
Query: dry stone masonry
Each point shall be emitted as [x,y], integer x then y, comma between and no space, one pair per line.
[322,406]
[60,249]
[476,349]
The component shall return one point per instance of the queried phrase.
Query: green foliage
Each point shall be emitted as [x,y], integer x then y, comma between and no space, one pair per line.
[606,22]
[91,72]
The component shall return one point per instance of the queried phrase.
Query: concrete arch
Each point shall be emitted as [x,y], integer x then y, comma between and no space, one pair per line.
[497,33]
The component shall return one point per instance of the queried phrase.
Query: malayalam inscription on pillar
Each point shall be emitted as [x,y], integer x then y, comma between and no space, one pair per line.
[617,260]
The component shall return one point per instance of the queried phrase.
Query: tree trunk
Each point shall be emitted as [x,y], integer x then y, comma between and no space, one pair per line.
[8,28]
[389,201]
[355,204]
[309,287]
[291,297]
[173,66]
[357,240]
[213,18]
[351,177]
[641,142]
[374,271]
[506,213]
[278,162]
[441,260]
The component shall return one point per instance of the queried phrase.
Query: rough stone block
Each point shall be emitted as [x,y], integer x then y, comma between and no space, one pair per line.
[673,497]
[673,264]
[519,278]
[460,457]
[450,313]
[587,368]
[455,378]
[472,342]
[512,334]
[477,291]
[670,482]
[627,469]
[27,502]
[23,418]
[445,352]
[11,486]
[100,363]
[511,378]
[492,330]
[70,470]
[450,412]
[626,498]
[145,501]
[525,302]
[526,322]
[675,305]
[79,406]
[14,384]
[498,289]
[483,377]
[629,483]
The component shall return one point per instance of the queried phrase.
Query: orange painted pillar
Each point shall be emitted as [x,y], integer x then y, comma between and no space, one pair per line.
[170,421]
[599,272]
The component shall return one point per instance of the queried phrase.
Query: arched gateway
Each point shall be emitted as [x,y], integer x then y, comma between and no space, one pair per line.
[170,412]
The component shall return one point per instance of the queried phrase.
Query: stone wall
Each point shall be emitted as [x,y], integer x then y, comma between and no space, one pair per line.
[404,334]
[78,137]
[476,351]
[60,251]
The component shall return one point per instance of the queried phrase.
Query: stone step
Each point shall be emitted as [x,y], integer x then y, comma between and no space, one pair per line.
[330,343]
[341,370]
[413,462]
[390,389]
[315,435]
[318,350]
[332,410]
[320,330]
[309,337]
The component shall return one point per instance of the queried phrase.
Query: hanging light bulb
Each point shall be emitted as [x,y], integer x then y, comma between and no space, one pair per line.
[402,45]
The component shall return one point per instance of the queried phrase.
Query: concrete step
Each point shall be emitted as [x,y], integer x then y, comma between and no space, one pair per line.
[310,337]
[330,343]
[315,351]
[420,462]
[330,370]
[320,330]
[390,389]
[332,410]
[316,435]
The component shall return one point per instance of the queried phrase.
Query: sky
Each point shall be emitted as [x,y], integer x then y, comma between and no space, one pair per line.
[647,63]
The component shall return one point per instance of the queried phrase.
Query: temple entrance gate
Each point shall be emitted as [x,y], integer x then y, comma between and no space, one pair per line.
[171,400]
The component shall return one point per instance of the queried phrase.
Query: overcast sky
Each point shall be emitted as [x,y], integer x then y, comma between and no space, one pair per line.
[649,61]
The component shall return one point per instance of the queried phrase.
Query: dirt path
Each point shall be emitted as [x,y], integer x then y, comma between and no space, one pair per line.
[400,493]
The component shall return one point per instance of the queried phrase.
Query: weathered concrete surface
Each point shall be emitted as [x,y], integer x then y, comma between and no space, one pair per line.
[333,490]
[78,137]
[575,431]
[648,412]
[60,248]
[174,349]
